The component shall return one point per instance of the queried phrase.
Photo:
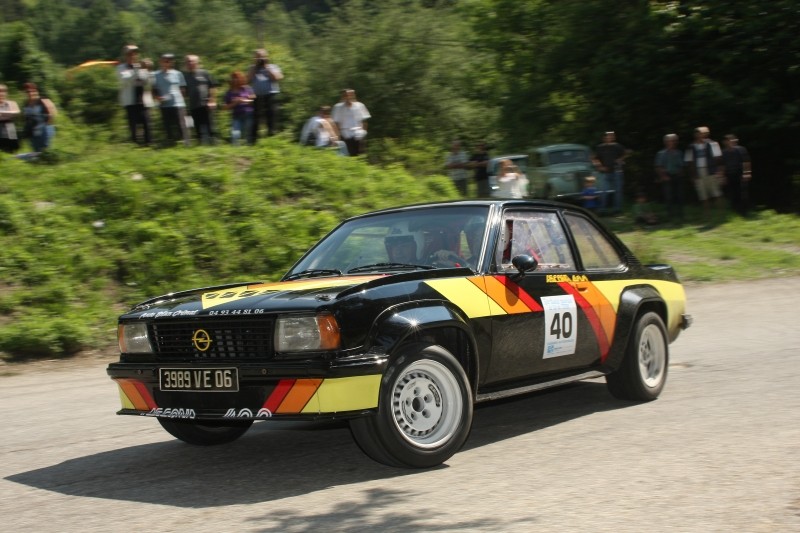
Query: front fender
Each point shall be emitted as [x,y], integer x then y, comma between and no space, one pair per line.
[631,302]
[399,323]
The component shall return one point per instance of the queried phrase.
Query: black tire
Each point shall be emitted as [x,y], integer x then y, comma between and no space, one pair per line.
[643,372]
[424,411]
[207,432]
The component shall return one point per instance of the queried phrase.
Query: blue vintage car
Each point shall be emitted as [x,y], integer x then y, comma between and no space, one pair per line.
[557,171]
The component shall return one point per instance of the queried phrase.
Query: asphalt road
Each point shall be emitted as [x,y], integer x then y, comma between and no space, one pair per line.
[719,451]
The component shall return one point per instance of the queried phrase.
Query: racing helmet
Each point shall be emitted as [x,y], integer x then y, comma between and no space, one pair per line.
[401,245]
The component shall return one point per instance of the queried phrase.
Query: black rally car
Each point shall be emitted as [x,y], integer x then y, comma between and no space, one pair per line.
[399,321]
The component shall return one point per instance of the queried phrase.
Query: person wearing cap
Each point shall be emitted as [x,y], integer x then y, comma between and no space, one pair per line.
[134,87]
[609,158]
[702,159]
[669,174]
[264,77]
[170,92]
[202,89]
[738,172]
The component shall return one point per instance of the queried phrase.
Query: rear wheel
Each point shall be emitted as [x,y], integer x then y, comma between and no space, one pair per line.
[643,371]
[425,410]
[205,433]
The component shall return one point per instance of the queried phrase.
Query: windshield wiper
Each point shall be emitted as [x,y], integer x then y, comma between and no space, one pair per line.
[313,272]
[389,266]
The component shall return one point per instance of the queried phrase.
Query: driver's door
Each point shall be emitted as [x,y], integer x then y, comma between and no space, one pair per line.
[543,329]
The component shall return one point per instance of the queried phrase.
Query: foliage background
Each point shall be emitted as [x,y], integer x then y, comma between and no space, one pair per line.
[97,225]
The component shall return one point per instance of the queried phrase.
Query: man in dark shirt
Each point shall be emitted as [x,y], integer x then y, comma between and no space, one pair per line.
[480,161]
[736,164]
[609,156]
[202,91]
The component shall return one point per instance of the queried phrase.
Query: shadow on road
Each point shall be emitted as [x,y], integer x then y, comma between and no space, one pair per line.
[272,462]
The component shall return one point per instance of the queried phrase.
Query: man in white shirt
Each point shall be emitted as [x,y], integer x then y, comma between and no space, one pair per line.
[320,131]
[350,116]
[702,158]
[134,88]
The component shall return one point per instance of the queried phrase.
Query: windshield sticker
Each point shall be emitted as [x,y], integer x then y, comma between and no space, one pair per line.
[560,325]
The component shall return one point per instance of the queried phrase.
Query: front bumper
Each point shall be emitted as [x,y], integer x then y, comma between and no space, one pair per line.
[342,388]
[686,321]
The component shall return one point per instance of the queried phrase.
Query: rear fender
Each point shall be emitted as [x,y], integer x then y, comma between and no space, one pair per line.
[632,303]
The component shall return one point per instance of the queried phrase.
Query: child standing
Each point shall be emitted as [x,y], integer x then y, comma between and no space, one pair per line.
[589,195]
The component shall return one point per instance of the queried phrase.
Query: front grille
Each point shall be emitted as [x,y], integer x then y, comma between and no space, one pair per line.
[229,339]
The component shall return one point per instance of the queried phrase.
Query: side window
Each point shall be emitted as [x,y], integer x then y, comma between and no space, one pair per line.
[539,235]
[596,251]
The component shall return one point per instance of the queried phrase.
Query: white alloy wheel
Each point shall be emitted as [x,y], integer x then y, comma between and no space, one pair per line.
[427,404]
[652,356]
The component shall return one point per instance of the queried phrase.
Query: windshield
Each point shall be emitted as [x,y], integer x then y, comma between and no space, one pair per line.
[568,156]
[441,237]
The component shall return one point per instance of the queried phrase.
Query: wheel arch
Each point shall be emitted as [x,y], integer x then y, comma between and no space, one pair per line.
[433,322]
[634,302]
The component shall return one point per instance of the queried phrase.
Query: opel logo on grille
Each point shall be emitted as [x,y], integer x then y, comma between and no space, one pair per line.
[201,340]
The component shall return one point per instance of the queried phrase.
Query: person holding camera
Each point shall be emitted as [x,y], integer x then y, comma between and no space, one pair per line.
[134,86]
[264,78]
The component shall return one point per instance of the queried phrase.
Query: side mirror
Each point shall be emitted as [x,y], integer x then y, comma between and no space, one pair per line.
[524,264]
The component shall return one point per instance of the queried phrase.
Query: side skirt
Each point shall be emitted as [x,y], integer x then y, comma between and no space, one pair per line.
[496,395]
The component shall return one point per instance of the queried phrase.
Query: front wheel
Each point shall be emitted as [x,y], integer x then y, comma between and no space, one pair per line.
[643,371]
[205,433]
[424,413]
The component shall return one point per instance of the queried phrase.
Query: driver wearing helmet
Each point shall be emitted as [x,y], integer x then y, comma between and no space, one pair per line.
[438,248]
[401,248]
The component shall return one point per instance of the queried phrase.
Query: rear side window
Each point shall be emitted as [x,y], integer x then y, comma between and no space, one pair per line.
[596,251]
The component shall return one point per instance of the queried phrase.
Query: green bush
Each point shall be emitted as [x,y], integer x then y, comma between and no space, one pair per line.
[85,238]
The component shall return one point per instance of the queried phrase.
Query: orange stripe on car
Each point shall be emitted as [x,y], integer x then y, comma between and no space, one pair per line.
[297,398]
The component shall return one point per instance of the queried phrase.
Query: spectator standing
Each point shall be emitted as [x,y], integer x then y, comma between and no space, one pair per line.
[134,90]
[264,77]
[9,111]
[737,167]
[702,158]
[511,182]
[480,162]
[239,100]
[669,175]
[351,117]
[609,158]
[456,165]
[590,197]
[170,91]
[202,91]
[39,113]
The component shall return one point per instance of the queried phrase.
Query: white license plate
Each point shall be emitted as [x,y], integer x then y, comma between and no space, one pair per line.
[199,379]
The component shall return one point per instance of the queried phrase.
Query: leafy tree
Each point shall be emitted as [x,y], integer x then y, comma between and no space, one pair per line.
[409,64]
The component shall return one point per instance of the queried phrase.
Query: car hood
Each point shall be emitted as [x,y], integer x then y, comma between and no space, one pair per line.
[248,298]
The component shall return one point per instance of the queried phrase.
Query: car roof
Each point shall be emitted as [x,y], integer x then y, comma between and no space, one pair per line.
[548,204]
[558,147]
[512,157]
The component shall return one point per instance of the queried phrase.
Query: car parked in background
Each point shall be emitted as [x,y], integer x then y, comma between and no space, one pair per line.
[399,321]
[557,171]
